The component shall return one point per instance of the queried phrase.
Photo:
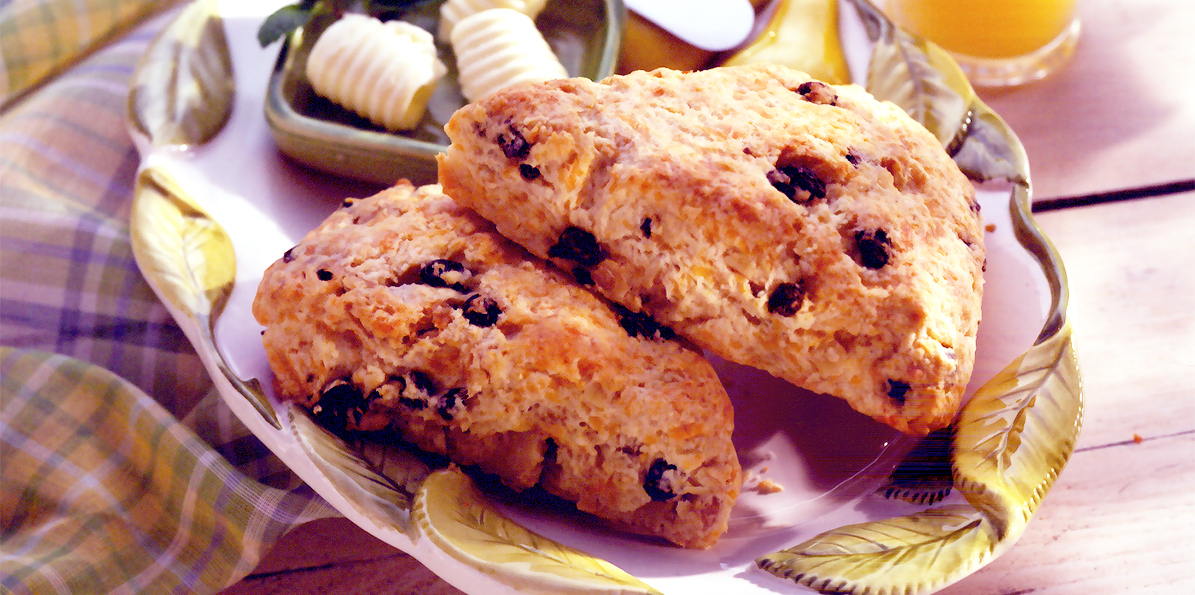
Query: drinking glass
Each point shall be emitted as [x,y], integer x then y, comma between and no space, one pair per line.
[996,42]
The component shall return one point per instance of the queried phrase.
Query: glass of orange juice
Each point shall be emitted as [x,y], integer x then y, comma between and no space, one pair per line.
[996,42]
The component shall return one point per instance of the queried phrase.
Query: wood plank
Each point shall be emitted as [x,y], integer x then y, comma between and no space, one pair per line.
[322,543]
[306,561]
[1132,305]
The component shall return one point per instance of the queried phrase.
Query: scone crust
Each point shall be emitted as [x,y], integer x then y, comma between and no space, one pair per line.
[857,273]
[508,365]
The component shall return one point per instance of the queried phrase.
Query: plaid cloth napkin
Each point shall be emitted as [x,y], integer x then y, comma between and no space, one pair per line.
[39,38]
[120,469]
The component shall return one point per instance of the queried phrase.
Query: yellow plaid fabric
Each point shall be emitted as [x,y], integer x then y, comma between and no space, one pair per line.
[40,37]
[105,492]
[120,469]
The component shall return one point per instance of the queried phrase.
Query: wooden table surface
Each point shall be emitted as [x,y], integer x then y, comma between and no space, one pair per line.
[1111,141]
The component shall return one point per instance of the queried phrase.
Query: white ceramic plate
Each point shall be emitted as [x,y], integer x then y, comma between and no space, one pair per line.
[217,203]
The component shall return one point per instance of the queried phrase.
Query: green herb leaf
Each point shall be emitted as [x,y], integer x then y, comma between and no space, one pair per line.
[284,21]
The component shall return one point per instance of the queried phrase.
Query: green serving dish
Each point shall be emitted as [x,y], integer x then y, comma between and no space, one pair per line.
[585,34]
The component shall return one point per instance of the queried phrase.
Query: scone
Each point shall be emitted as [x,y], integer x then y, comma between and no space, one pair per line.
[805,229]
[406,310]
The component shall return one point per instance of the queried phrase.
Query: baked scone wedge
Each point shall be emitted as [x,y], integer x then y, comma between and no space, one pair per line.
[407,311]
[805,229]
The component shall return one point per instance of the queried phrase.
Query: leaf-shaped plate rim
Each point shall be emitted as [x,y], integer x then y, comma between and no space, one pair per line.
[199,93]
[520,557]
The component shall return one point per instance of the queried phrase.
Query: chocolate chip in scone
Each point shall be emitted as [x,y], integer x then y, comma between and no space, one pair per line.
[415,390]
[423,383]
[873,248]
[645,227]
[852,159]
[897,389]
[416,403]
[631,450]
[289,255]
[818,92]
[339,401]
[513,145]
[639,324]
[660,481]
[800,184]
[579,246]
[787,299]
[324,275]
[481,311]
[582,276]
[450,403]
[348,202]
[529,172]
[445,273]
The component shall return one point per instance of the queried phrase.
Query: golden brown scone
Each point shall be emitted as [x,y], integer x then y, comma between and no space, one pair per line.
[782,223]
[407,310]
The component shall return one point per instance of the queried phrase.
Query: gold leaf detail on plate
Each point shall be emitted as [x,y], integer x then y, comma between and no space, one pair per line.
[379,482]
[183,90]
[1018,431]
[914,553]
[459,519]
[180,249]
[188,258]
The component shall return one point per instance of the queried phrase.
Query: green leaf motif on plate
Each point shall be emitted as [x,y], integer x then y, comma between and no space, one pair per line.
[459,519]
[379,482]
[1018,431]
[901,555]
[183,90]
[188,258]
[916,75]
[181,250]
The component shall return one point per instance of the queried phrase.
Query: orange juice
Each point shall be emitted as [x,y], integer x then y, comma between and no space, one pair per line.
[991,29]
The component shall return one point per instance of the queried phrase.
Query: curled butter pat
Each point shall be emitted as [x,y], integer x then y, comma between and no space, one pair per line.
[453,11]
[499,47]
[385,72]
